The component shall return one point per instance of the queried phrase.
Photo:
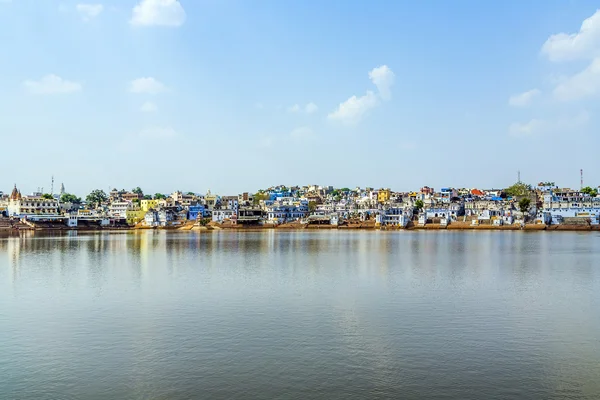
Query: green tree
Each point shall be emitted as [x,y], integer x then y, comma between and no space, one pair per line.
[96,197]
[137,190]
[519,189]
[591,191]
[158,196]
[147,197]
[524,204]
[258,197]
[204,221]
[136,201]
[419,205]
[69,198]
[47,196]
[345,190]
[312,206]
[191,193]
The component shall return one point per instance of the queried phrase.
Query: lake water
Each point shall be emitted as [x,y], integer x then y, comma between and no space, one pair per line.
[300,315]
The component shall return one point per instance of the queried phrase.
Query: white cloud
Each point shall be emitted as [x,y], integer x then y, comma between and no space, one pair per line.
[148,107]
[581,45]
[524,99]
[89,11]
[302,133]
[311,108]
[354,109]
[563,124]
[584,84]
[147,85]
[52,84]
[157,132]
[158,13]
[383,78]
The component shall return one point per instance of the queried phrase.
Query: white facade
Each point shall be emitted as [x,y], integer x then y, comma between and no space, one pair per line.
[394,216]
[118,209]
[33,208]
[222,214]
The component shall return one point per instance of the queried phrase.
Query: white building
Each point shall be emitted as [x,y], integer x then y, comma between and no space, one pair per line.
[118,209]
[220,215]
[394,216]
[32,207]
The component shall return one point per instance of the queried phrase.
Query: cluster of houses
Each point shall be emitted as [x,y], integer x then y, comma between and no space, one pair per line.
[319,205]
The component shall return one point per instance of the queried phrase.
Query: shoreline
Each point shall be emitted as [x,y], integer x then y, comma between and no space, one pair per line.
[299,227]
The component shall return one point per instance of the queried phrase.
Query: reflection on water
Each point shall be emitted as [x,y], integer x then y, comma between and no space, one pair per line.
[467,315]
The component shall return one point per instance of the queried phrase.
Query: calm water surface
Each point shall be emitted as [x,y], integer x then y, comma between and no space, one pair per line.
[300,315]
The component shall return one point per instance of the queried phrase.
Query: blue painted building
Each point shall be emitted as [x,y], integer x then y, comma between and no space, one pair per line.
[195,212]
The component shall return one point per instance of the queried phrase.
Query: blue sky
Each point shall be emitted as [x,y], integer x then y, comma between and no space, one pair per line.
[233,96]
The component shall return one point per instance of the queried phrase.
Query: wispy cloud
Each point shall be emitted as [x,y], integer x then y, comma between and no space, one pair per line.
[524,99]
[561,124]
[168,13]
[353,110]
[148,107]
[583,84]
[147,85]
[52,84]
[310,108]
[89,11]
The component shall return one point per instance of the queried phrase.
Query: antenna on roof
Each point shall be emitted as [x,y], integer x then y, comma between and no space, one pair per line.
[52,186]
[581,175]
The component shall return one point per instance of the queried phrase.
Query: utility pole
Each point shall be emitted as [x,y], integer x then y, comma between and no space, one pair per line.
[52,186]
[581,175]
[519,176]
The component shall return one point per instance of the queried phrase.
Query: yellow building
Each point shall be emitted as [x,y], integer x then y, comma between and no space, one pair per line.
[146,205]
[134,216]
[383,195]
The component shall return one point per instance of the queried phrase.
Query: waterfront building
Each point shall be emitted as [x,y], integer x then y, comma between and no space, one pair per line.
[572,206]
[222,214]
[32,207]
[195,212]
[118,209]
[394,216]
[134,214]
[250,216]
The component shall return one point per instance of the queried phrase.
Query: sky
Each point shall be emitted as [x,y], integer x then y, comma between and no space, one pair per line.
[234,96]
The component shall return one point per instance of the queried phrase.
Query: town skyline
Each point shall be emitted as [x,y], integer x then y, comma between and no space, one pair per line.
[236,95]
[56,187]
